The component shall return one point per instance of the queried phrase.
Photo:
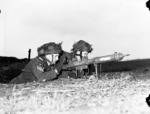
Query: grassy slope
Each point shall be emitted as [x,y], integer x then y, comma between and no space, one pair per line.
[114,93]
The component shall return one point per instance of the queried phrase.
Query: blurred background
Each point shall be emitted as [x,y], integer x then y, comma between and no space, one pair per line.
[110,26]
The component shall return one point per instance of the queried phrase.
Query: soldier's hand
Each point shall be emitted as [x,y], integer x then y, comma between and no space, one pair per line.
[58,67]
[65,58]
[62,59]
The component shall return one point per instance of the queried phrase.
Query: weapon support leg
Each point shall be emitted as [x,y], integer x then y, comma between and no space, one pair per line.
[100,70]
[96,70]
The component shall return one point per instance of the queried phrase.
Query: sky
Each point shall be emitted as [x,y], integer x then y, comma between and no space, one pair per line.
[108,25]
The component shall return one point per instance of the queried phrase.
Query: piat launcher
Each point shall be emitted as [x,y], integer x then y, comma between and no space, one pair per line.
[82,64]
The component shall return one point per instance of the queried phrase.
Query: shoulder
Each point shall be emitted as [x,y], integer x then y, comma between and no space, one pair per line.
[34,61]
[37,63]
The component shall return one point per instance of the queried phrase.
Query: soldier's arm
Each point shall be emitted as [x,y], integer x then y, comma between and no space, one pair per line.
[39,73]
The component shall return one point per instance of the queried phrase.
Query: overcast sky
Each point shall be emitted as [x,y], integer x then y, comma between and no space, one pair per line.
[109,25]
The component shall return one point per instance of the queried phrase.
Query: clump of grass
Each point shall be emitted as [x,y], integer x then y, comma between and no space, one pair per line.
[119,94]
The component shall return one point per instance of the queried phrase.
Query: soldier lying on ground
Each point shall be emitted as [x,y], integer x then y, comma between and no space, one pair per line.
[44,67]
[80,51]
[48,64]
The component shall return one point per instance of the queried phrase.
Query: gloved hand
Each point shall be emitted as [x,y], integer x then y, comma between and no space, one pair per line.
[63,59]
[58,67]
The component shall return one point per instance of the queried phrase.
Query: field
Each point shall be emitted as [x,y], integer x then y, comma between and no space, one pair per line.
[113,93]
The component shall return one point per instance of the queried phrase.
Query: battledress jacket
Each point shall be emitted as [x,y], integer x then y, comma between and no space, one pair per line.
[35,71]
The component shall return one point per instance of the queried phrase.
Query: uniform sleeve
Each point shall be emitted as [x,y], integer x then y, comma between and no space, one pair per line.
[39,73]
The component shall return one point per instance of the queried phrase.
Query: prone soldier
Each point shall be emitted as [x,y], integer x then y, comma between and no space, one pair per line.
[79,52]
[44,67]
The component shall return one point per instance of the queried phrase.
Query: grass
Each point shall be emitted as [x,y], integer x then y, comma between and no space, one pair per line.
[114,93]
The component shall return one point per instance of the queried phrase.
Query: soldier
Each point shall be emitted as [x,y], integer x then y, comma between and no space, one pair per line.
[80,51]
[46,66]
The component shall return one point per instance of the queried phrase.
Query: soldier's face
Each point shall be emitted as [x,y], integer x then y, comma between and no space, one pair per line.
[84,54]
[53,58]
